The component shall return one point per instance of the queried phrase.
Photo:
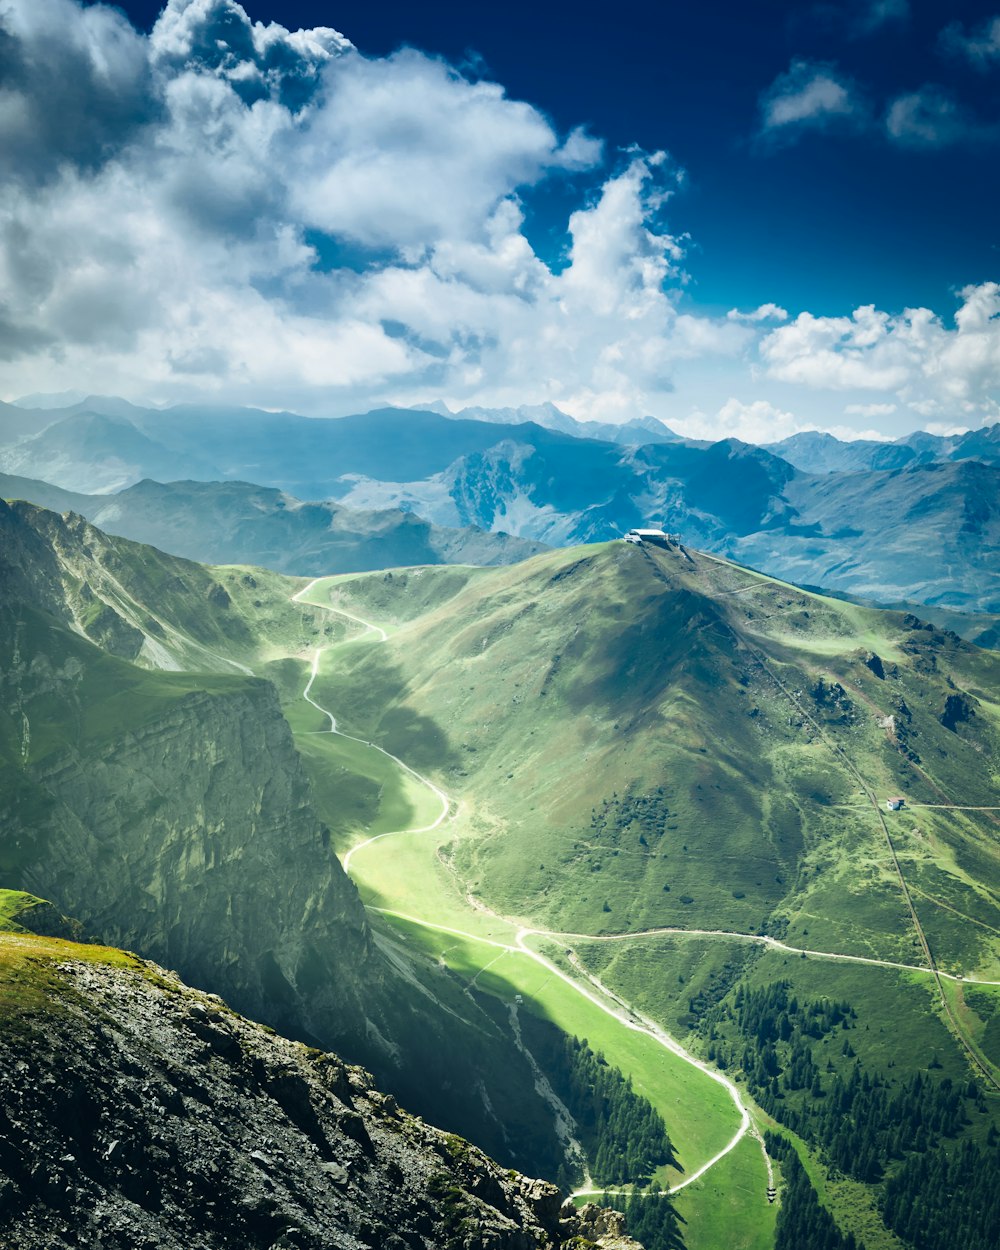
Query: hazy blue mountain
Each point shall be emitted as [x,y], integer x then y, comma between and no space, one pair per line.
[927,533]
[46,495]
[312,458]
[51,399]
[17,423]
[537,483]
[309,456]
[912,520]
[93,453]
[110,406]
[982,444]
[635,432]
[238,523]
[815,452]
[32,414]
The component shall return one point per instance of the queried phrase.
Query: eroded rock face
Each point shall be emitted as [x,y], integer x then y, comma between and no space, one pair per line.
[192,840]
[957,709]
[135,1112]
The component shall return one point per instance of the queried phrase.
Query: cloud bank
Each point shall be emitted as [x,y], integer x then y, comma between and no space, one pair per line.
[229,209]
[269,215]
[933,368]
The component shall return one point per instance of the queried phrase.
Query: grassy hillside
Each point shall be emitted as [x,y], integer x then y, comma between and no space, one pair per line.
[690,742]
[167,808]
[154,609]
[639,740]
[661,777]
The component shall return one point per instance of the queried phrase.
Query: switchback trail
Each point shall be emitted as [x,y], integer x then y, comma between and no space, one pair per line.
[605,1000]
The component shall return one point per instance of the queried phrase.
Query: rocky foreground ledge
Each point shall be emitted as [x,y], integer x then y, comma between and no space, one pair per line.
[138,1113]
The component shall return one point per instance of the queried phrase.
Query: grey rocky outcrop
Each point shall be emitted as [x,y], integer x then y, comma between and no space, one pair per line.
[137,1113]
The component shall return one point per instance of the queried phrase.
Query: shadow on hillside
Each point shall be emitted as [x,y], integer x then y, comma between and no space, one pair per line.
[367,691]
[624,667]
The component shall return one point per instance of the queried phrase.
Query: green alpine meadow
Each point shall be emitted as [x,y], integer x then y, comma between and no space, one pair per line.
[499,625]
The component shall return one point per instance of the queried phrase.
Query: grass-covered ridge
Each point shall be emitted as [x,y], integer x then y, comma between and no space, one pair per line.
[646,739]
[32,984]
[663,743]
[650,759]
[154,792]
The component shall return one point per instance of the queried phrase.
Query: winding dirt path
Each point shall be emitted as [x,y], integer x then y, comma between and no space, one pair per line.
[605,1000]
[307,695]
[762,940]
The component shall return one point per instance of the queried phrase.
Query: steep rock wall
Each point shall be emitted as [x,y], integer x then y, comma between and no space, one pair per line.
[191,839]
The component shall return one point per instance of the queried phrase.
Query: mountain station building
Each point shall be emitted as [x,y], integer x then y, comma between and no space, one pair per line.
[658,537]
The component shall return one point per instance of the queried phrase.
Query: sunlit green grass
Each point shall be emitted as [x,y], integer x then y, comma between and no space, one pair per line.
[535,695]
[699,1114]
[727,1208]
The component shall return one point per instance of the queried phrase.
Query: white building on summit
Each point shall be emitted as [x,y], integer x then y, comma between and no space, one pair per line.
[658,537]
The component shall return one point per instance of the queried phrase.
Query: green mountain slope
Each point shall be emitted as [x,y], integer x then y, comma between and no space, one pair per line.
[659,776]
[168,810]
[673,772]
[594,697]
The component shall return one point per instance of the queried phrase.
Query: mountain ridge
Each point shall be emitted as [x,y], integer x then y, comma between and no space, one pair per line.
[239,523]
[160,804]
[857,531]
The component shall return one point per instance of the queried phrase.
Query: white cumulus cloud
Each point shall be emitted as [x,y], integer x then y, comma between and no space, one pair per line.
[269,216]
[229,209]
[925,363]
[944,430]
[766,312]
[756,422]
[808,96]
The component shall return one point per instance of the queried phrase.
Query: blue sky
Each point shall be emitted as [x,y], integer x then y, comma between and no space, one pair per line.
[678,209]
[832,217]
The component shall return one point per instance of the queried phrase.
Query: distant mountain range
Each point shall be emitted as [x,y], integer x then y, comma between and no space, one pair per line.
[916,521]
[633,433]
[239,523]
[815,452]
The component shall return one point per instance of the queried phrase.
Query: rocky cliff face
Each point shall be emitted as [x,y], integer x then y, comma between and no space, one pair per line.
[135,1112]
[191,839]
[167,813]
